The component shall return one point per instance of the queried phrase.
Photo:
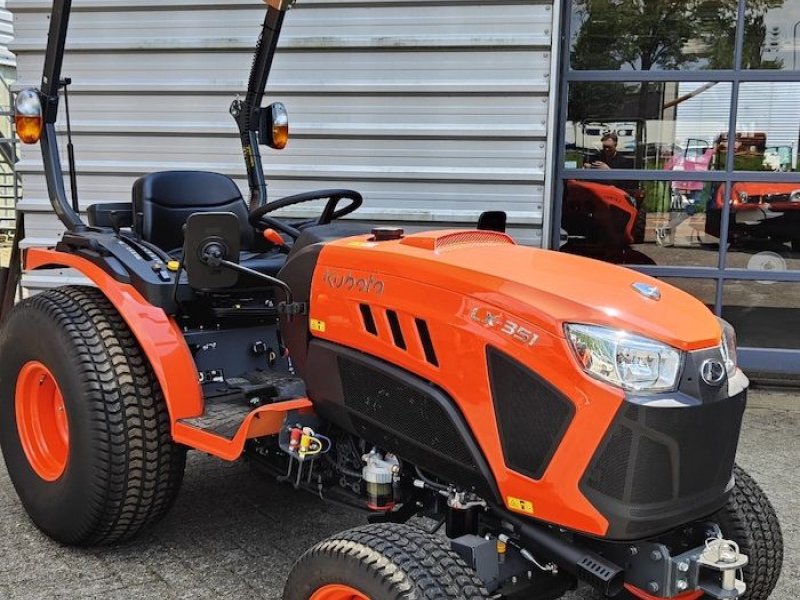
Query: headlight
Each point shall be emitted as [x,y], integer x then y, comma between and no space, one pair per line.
[728,346]
[625,360]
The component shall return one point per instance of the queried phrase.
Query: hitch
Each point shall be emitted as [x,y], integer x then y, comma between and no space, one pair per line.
[720,562]
[710,566]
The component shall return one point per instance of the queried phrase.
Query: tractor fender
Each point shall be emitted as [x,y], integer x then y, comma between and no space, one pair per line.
[159,336]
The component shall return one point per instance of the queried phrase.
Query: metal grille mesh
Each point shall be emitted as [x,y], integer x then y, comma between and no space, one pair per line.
[531,415]
[657,454]
[398,407]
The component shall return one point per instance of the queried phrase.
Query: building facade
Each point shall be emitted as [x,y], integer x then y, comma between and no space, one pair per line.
[438,110]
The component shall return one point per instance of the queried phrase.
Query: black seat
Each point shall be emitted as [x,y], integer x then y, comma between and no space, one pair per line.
[162,202]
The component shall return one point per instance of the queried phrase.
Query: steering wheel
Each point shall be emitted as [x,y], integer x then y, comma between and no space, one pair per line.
[329,213]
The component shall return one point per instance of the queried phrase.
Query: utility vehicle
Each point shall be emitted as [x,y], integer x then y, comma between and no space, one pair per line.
[561,419]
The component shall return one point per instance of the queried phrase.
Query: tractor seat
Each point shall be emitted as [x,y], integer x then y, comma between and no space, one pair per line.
[163,201]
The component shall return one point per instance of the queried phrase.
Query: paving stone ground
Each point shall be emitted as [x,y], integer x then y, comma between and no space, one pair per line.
[233,534]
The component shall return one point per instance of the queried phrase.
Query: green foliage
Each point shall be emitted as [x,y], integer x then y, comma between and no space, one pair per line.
[667,34]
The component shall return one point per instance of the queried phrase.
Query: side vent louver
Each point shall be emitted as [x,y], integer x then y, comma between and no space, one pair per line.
[427,343]
[369,320]
[397,332]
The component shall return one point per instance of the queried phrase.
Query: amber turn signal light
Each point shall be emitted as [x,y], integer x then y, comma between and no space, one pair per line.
[28,116]
[274,126]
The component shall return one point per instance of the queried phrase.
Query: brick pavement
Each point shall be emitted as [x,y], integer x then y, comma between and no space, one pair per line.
[233,534]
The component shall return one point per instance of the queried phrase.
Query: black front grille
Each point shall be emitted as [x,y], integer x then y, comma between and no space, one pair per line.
[663,460]
[403,413]
[532,416]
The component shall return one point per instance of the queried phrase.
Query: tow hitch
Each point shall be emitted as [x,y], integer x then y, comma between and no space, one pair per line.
[704,563]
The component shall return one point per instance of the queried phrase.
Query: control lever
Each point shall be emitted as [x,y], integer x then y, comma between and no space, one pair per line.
[213,254]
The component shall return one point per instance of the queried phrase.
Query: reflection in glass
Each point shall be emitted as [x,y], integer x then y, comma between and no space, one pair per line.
[764,232]
[767,127]
[653,35]
[682,34]
[675,126]
[638,223]
[771,35]
[765,314]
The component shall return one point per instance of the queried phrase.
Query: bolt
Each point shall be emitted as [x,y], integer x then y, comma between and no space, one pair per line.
[683,566]
[633,550]
[682,585]
[656,555]
[652,587]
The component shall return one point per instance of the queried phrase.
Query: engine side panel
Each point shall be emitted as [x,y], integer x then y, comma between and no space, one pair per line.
[397,411]
[442,336]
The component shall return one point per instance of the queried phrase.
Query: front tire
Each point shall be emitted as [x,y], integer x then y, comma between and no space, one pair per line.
[84,427]
[386,562]
[750,520]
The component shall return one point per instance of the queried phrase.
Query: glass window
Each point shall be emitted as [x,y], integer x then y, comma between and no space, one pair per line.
[674,126]
[764,231]
[640,222]
[771,35]
[654,35]
[767,127]
[765,314]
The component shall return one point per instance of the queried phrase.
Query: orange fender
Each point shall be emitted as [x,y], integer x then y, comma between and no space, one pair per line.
[158,335]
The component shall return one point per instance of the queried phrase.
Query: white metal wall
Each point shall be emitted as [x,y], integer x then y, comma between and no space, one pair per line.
[7,59]
[435,109]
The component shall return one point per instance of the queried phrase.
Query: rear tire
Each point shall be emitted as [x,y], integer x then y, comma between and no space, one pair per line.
[750,520]
[121,470]
[387,561]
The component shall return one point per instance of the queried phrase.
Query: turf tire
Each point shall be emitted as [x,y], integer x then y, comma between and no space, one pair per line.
[123,472]
[385,562]
[750,520]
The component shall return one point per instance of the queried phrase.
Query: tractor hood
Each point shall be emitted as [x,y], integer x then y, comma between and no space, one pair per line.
[548,289]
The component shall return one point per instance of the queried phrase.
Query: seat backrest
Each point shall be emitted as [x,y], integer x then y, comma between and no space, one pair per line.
[162,202]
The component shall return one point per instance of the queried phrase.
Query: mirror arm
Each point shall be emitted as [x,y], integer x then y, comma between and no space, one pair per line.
[248,112]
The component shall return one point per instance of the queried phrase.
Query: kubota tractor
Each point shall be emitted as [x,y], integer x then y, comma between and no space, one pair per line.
[561,419]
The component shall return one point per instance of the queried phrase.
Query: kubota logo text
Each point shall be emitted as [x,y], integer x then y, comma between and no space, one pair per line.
[353,283]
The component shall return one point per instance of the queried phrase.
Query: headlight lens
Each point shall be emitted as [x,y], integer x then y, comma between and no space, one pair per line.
[625,360]
[729,347]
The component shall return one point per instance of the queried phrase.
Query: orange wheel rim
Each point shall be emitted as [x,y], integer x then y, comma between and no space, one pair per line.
[42,421]
[337,591]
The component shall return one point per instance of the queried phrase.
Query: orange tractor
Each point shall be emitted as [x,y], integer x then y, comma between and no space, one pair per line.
[561,419]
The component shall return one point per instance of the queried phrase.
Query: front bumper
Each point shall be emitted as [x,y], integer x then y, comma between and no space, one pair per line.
[667,460]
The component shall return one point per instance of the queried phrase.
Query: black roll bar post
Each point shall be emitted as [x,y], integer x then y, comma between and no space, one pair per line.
[49,90]
[248,112]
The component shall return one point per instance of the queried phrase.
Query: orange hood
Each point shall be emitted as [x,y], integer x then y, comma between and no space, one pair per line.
[547,289]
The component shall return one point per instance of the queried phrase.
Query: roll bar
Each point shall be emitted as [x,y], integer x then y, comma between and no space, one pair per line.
[247,112]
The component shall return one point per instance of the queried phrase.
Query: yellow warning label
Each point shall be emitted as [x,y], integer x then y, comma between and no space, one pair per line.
[520,505]
[318,326]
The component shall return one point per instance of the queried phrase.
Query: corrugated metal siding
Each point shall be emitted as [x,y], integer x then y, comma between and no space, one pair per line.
[435,110]
[7,59]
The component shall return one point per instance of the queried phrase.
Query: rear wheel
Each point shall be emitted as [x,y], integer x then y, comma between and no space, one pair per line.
[84,427]
[750,520]
[386,561]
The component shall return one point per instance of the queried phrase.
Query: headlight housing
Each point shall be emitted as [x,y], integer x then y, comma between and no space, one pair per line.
[728,346]
[628,361]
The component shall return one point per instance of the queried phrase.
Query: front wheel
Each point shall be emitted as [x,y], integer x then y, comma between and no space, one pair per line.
[386,562]
[84,427]
[750,520]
